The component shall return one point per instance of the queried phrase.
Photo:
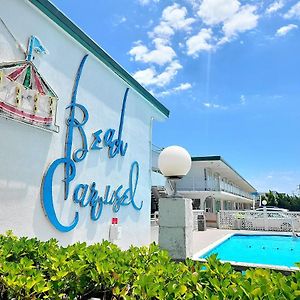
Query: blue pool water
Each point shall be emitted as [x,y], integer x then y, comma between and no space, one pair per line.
[259,249]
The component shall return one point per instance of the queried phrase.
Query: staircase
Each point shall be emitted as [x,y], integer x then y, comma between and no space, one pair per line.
[156,193]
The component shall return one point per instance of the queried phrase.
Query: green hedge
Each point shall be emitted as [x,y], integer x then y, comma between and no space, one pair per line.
[31,269]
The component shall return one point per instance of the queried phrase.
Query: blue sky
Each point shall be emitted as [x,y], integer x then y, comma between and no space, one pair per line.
[228,70]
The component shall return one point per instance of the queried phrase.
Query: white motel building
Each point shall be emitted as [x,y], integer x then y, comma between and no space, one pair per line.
[212,184]
[76,133]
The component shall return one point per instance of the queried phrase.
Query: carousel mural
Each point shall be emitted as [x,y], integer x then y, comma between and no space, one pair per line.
[24,94]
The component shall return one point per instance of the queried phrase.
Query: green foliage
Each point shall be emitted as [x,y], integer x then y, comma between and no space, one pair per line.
[282,200]
[31,269]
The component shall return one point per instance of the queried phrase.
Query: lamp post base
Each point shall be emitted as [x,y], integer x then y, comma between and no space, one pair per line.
[176,227]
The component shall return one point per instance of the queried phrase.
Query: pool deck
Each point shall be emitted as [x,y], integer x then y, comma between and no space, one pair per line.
[202,239]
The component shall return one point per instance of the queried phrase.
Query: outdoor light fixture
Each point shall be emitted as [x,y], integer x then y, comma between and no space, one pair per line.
[174,162]
[175,211]
[264,203]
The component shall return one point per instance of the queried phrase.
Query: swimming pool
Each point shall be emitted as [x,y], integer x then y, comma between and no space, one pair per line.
[276,250]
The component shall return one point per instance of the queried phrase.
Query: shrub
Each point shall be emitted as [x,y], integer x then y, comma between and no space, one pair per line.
[31,269]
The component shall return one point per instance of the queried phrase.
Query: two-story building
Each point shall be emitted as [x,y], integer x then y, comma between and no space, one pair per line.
[213,185]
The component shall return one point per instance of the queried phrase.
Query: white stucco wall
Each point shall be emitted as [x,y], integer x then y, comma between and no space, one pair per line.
[26,152]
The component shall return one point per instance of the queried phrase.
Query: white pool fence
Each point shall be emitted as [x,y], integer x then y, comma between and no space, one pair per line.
[259,220]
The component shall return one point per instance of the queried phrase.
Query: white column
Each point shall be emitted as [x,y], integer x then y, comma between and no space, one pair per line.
[202,203]
[176,227]
[222,204]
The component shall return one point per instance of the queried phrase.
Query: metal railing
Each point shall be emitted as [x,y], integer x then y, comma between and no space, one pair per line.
[199,184]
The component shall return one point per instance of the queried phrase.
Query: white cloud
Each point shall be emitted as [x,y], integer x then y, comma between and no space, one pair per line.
[243,99]
[163,30]
[194,3]
[294,12]
[161,55]
[245,19]
[285,29]
[119,20]
[176,17]
[199,42]
[225,19]
[181,87]
[146,2]
[213,105]
[274,7]
[170,72]
[234,18]
[145,77]
[214,12]
[223,40]
[139,51]
[150,76]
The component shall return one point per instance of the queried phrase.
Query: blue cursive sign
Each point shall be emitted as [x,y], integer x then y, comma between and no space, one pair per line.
[87,195]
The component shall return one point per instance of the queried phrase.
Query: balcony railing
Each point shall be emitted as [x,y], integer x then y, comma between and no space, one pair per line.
[196,184]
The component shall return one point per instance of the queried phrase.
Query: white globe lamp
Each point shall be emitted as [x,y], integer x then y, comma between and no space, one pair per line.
[264,202]
[174,162]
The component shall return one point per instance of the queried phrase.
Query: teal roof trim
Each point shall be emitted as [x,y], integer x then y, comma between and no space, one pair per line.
[217,157]
[73,30]
[206,158]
